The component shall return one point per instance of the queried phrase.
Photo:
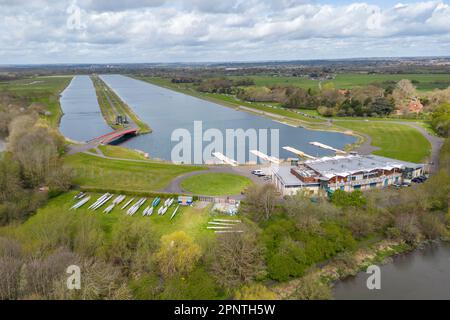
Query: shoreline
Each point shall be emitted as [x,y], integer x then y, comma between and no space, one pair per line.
[333,272]
[314,126]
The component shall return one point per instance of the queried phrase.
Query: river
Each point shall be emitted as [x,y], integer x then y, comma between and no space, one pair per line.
[422,274]
[82,119]
[166,110]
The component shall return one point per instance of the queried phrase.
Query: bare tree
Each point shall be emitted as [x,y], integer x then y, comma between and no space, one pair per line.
[237,259]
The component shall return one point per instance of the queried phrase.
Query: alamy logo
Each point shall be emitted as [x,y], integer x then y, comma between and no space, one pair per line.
[74,280]
[236,146]
[374,281]
[74,21]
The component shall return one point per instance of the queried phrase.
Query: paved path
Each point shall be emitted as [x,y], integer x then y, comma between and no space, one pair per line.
[175,184]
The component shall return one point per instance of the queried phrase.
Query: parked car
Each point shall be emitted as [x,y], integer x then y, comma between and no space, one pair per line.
[258,173]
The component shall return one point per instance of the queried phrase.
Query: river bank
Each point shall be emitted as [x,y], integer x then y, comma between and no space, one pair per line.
[419,274]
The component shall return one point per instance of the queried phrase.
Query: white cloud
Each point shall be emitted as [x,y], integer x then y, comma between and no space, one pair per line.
[206,30]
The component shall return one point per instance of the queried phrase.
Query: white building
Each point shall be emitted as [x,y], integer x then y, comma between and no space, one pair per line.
[348,173]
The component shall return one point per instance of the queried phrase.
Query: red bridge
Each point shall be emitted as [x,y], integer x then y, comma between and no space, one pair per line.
[115,135]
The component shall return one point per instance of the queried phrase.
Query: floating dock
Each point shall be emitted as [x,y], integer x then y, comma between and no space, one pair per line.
[324,146]
[298,152]
[265,156]
[225,159]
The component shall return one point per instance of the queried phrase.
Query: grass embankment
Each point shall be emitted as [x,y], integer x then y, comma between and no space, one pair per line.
[43,91]
[112,106]
[216,184]
[192,220]
[95,172]
[396,141]
[121,152]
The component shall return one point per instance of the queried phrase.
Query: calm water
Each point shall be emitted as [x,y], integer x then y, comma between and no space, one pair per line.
[423,274]
[165,110]
[2,145]
[82,119]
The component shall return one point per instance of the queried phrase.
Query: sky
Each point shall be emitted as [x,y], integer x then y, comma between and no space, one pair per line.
[127,31]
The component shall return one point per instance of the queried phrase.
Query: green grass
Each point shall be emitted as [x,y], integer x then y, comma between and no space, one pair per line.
[95,172]
[121,152]
[425,82]
[192,220]
[106,97]
[42,90]
[396,141]
[216,184]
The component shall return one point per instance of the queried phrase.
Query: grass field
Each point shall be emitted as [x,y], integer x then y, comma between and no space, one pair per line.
[216,184]
[423,82]
[192,220]
[42,90]
[111,106]
[394,140]
[121,152]
[95,172]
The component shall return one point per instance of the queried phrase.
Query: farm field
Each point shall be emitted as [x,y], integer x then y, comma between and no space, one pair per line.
[96,172]
[394,140]
[424,82]
[40,90]
[216,184]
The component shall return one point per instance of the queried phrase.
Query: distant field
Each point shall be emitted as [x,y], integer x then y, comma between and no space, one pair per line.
[216,184]
[44,90]
[394,140]
[92,171]
[349,80]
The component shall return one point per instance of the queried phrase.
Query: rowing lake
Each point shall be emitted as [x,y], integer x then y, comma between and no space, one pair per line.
[166,110]
[82,119]
[422,274]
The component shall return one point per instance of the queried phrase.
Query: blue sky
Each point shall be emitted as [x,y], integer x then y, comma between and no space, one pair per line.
[103,31]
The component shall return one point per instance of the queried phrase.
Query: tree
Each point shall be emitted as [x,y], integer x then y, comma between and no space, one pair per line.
[348,199]
[177,255]
[255,292]
[382,106]
[440,119]
[237,259]
[404,90]
[311,288]
[261,201]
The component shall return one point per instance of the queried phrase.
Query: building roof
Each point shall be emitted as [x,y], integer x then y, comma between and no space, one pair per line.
[343,166]
[286,177]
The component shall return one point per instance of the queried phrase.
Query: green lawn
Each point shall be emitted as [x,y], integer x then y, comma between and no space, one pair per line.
[423,82]
[394,140]
[192,220]
[95,172]
[216,184]
[45,90]
[110,103]
[121,152]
